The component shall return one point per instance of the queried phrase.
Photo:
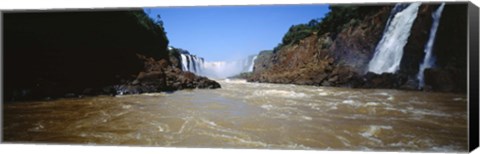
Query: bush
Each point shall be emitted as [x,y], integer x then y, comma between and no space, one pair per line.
[154,26]
[338,18]
[296,33]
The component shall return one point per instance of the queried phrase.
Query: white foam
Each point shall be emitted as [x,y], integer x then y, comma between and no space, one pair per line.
[351,102]
[372,104]
[280,93]
[373,129]
[154,94]
[403,144]
[126,106]
[323,93]
[384,94]
[38,127]
[267,106]
[390,98]
[429,112]
[447,148]
[395,109]
[209,122]
[307,118]
[343,140]
[160,129]
[313,106]
[296,146]
[183,126]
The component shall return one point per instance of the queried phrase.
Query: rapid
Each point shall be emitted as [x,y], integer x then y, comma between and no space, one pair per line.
[250,115]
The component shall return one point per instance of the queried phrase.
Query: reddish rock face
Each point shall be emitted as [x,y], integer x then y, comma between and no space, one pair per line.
[343,60]
[324,60]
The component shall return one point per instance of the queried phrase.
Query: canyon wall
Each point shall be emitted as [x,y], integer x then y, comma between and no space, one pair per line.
[49,54]
[329,58]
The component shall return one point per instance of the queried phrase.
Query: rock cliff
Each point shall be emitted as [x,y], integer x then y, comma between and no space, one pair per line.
[52,54]
[341,58]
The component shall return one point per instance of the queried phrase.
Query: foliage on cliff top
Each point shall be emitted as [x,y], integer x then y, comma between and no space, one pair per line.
[333,22]
[156,27]
[81,49]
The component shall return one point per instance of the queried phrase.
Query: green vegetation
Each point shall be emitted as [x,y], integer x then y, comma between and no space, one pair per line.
[297,32]
[338,18]
[147,22]
[155,26]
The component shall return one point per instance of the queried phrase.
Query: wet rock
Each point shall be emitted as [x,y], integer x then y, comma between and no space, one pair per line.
[158,77]
[70,95]
[411,84]
[384,80]
[326,83]
[445,80]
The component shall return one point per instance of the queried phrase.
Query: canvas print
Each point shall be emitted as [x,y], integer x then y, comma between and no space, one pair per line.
[355,77]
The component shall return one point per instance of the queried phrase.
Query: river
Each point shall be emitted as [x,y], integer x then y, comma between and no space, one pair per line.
[250,115]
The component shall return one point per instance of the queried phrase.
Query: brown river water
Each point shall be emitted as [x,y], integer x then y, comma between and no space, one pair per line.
[250,115]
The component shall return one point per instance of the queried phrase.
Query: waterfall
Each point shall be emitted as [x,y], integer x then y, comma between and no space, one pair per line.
[429,60]
[389,50]
[191,64]
[397,8]
[250,69]
[198,65]
[216,69]
[184,62]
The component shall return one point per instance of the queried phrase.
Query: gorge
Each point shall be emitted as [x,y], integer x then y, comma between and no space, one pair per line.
[362,77]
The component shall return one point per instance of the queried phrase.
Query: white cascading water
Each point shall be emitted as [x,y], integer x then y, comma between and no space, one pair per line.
[191,65]
[216,69]
[398,7]
[429,60]
[389,50]
[250,69]
[184,62]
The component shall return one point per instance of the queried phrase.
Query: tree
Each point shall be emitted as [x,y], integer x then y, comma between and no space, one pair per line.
[159,21]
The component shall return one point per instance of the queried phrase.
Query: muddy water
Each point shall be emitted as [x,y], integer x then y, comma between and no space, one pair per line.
[250,115]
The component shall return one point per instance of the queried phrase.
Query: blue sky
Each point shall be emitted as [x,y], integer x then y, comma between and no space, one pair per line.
[223,33]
